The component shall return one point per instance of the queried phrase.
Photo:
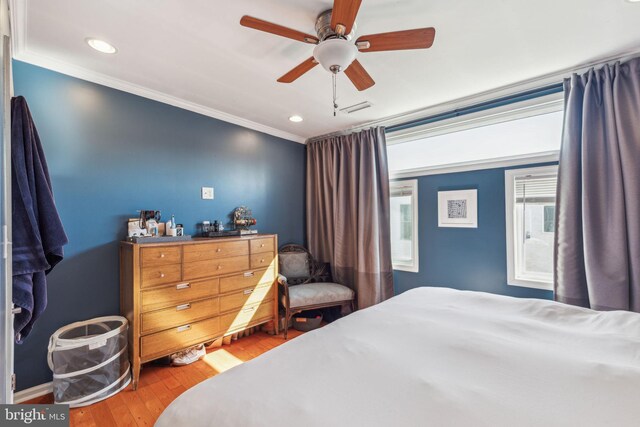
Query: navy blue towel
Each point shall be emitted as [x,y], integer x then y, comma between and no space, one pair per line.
[38,235]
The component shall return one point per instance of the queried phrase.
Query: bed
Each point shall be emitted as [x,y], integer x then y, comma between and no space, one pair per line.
[436,357]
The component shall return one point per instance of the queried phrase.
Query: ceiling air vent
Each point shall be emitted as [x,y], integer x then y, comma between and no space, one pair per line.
[356,107]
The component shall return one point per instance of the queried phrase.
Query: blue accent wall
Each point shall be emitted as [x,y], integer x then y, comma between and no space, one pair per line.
[111,153]
[464,258]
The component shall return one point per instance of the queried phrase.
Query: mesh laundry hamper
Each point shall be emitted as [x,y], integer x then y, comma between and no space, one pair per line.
[89,360]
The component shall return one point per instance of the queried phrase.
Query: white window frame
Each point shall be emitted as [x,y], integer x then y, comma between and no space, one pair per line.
[523,109]
[509,187]
[412,266]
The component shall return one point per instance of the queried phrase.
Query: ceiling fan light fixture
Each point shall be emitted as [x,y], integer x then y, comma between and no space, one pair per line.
[295,119]
[335,55]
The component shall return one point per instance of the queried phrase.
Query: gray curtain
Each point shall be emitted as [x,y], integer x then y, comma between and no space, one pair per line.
[597,247]
[348,212]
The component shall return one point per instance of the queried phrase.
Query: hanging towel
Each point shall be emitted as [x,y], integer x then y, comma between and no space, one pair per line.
[38,235]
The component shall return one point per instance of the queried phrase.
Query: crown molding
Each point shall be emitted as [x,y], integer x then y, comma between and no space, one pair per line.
[22,53]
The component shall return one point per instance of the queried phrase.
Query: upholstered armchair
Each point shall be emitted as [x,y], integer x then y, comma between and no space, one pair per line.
[305,284]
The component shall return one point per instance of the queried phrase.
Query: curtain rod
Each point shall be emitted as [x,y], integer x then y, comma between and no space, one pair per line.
[446,109]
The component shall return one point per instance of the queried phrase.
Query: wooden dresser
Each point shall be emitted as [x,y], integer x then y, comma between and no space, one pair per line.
[180,294]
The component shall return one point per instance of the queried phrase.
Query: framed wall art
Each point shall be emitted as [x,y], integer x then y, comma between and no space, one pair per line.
[458,208]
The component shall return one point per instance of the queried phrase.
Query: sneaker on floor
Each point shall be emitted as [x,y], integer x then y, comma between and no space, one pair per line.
[188,356]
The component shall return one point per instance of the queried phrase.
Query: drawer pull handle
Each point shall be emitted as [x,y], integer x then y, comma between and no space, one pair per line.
[262,245]
[262,260]
[247,291]
[161,255]
[183,286]
[219,267]
[248,309]
[183,328]
[183,307]
[218,250]
[248,274]
[161,275]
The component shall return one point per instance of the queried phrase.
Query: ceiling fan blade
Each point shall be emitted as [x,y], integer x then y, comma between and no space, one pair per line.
[279,30]
[298,71]
[359,76]
[344,13]
[421,38]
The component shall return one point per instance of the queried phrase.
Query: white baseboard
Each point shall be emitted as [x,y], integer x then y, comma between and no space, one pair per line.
[32,393]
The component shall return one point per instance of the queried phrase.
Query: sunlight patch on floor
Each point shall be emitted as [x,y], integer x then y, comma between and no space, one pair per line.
[221,360]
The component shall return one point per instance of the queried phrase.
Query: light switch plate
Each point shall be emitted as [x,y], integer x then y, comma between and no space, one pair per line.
[207,193]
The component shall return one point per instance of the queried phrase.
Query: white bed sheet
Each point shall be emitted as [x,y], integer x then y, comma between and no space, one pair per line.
[436,357]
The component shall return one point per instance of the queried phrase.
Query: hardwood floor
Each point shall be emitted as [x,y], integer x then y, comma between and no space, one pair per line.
[160,385]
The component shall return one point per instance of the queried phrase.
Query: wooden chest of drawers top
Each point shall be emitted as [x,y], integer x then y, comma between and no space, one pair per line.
[163,263]
[254,240]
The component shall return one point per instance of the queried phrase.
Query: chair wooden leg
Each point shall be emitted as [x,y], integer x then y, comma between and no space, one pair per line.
[287,316]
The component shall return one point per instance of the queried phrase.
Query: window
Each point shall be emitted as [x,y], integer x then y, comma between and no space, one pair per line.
[522,141]
[405,222]
[530,213]
[549,219]
[404,225]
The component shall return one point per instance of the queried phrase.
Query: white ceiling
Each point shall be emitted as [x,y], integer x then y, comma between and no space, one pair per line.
[194,53]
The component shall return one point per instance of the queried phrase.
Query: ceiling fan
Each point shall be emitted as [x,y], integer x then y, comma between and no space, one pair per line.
[335,50]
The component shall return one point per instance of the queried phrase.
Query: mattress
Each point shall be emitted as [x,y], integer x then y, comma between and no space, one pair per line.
[436,357]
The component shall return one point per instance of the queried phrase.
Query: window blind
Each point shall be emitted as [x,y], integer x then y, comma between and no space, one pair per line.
[536,188]
[401,191]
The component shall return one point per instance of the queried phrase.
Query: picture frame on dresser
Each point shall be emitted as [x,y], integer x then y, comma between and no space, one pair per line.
[179,294]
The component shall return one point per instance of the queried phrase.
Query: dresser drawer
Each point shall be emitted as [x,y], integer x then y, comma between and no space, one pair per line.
[179,315]
[247,297]
[174,339]
[161,255]
[199,269]
[215,250]
[166,296]
[247,279]
[246,317]
[262,245]
[160,274]
[262,260]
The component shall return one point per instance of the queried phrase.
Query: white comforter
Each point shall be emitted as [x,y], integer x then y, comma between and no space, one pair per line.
[436,357]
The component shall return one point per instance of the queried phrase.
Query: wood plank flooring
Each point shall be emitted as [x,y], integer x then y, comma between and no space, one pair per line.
[160,385]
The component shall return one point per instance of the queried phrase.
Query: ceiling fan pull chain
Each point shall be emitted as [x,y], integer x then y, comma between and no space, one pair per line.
[335,105]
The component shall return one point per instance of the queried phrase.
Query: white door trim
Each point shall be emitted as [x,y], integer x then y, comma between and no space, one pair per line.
[6,282]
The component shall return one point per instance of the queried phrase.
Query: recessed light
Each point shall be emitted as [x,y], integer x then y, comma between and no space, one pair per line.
[295,119]
[101,45]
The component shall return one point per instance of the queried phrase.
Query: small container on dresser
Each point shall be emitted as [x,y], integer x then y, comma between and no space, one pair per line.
[180,294]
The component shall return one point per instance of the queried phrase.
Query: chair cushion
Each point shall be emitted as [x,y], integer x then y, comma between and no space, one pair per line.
[318,293]
[294,265]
